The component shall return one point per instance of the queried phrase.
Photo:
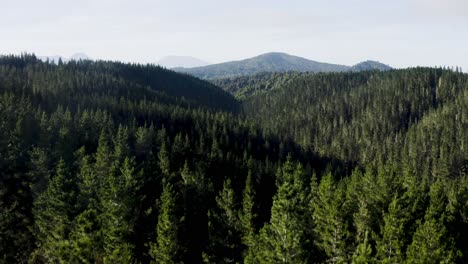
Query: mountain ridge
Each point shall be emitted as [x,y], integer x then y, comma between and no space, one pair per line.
[274,62]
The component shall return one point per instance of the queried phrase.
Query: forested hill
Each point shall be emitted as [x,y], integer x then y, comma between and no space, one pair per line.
[105,162]
[368,117]
[369,66]
[244,87]
[70,81]
[273,62]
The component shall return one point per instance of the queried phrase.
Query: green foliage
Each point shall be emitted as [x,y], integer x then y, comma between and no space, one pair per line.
[430,244]
[86,149]
[391,240]
[54,211]
[247,217]
[224,229]
[244,87]
[330,219]
[119,200]
[166,249]
[284,237]
[363,254]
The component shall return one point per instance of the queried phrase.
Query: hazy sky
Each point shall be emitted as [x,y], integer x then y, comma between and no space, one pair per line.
[397,32]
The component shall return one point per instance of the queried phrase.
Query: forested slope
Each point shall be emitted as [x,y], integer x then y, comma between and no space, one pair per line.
[366,117]
[246,86]
[104,162]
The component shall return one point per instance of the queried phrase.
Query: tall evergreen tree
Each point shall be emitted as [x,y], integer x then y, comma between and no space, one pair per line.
[247,218]
[430,245]
[331,225]
[118,212]
[224,226]
[392,235]
[54,212]
[166,248]
[284,237]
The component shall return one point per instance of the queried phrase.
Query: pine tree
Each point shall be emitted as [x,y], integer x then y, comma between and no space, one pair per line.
[118,217]
[121,146]
[103,157]
[224,232]
[456,210]
[391,241]
[329,217]
[164,161]
[86,239]
[166,249]
[195,215]
[363,253]
[362,222]
[54,212]
[283,239]
[247,218]
[430,244]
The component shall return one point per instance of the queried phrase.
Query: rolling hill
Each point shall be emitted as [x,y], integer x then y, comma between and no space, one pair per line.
[272,62]
[370,65]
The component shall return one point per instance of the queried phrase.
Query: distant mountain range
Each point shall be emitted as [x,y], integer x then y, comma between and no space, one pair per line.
[274,62]
[56,58]
[181,61]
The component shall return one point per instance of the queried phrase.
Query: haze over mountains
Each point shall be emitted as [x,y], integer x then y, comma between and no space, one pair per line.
[274,62]
[56,58]
[181,61]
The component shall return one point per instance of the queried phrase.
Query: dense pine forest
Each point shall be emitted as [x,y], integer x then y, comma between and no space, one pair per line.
[106,162]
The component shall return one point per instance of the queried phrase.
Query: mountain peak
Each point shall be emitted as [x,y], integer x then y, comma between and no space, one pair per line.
[370,65]
[275,62]
[268,62]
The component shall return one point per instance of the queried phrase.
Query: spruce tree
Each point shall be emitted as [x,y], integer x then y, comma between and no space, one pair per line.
[247,218]
[166,248]
[392,235]
[283,239]
[54,212]
[363,253]
[329,216]
[430,244]
[224,229]
[118,216]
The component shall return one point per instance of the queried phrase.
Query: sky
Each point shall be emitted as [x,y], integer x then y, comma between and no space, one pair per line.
[401,33]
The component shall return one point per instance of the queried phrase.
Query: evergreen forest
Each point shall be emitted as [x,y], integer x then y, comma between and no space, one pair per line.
[110,162]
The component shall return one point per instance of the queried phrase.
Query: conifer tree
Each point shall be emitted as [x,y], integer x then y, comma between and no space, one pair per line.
[283,239]
[119,216]
[103,156]
[164,161]
[86,239]
[224,226]
[430,244]
[247,217]
[363,253]
[329,216]
[166,248]
[54,212]
[392,235]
